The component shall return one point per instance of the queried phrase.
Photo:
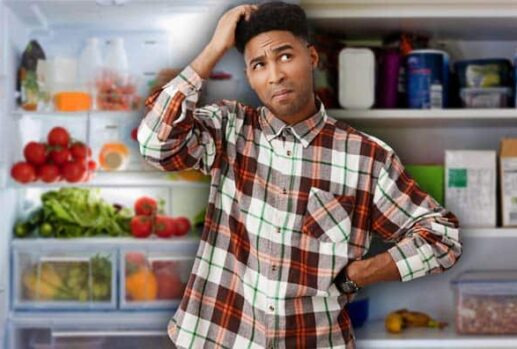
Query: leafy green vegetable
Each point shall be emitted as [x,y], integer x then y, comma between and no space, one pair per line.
[80,212]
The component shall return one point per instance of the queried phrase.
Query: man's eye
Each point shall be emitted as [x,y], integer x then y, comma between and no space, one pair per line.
[257,65]
[285,57]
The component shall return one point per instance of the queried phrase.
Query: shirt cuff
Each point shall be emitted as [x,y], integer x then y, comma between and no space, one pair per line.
[408,260]
[188,82]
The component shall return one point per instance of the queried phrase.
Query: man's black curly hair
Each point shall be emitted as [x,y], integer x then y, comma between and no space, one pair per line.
[275,15]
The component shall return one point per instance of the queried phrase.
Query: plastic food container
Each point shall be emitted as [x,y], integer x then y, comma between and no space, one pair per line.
[356,78]
[51,279]
[490,97]
[486,302]
[427,79]
[484,72]
[116,93]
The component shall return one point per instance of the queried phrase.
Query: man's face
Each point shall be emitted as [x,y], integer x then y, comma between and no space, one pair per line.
[279,69]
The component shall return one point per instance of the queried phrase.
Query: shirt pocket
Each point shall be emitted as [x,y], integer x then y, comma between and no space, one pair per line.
[328,216]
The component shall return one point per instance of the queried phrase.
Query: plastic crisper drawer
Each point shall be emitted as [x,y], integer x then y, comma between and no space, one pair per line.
[57,279]
[153,279]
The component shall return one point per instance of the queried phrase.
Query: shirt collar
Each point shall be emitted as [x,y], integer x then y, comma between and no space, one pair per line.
[304,130]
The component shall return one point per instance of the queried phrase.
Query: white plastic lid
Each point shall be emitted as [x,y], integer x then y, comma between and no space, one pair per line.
[484,276]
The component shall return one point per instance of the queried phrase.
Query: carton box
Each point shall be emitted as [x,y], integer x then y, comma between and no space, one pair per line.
[470,186]
[508,181]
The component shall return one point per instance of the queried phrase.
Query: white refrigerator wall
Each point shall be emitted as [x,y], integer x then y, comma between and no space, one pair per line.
[8,197]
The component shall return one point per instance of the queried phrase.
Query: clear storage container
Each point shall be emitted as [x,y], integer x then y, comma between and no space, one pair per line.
[113,140]
[153,279]
[486,302]
[486,97]
[71,279]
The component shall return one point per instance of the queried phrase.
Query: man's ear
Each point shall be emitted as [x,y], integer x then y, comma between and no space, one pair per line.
[315,57]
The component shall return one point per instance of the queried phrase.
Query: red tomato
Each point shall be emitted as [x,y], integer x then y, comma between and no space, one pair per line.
[141,226]
[35,153]
[136,259]
[23,172]
[164,226]
[183,225]
[169,285]
[134,133]
[92,165]
[58,136]
[59,155]
[79,150]
[73,171]
[145,206]
[49,173]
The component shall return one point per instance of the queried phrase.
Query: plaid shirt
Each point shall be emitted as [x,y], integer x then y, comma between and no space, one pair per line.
[289,207]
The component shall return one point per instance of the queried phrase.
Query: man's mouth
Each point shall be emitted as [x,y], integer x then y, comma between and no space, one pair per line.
[281,94]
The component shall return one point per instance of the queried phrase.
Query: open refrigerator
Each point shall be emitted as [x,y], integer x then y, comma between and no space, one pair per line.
[157,34]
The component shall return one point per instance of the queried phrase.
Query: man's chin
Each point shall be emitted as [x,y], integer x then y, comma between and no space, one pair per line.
[282,109]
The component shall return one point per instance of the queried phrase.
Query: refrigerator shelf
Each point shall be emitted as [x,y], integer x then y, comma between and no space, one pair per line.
[120,179]
[92,113]
[184,243]
[140,318]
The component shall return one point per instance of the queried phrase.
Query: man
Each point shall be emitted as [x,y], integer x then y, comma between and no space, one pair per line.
[295,197]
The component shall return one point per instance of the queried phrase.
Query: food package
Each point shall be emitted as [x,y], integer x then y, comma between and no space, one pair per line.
[470,186]
[72,101]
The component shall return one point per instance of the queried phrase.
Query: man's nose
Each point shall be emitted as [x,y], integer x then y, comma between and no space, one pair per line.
[276,75]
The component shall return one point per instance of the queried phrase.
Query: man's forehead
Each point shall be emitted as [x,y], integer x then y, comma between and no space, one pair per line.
[263,43]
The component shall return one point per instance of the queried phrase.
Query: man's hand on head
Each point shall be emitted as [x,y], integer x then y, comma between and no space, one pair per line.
[224,35]
[222,40]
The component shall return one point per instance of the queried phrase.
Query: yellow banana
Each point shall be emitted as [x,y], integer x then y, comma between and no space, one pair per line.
[49,275]
[36,288]
[397,320]
[416,319]
[394,322]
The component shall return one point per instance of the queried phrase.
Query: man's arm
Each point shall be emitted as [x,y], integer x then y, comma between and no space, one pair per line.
[175,135]
[372,270]
[426,234]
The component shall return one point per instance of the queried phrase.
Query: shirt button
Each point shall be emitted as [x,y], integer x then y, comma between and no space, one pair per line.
[284,191]
[271,308]
[273,267]
[288,153]
[278,229]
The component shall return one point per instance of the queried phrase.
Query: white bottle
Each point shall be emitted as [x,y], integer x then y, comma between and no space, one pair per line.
[90,62]
[116,58]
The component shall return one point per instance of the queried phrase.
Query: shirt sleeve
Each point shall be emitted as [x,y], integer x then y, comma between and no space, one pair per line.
[175,134]
[426,235]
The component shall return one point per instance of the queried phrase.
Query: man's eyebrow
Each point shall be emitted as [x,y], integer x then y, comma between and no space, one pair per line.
[275,50]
